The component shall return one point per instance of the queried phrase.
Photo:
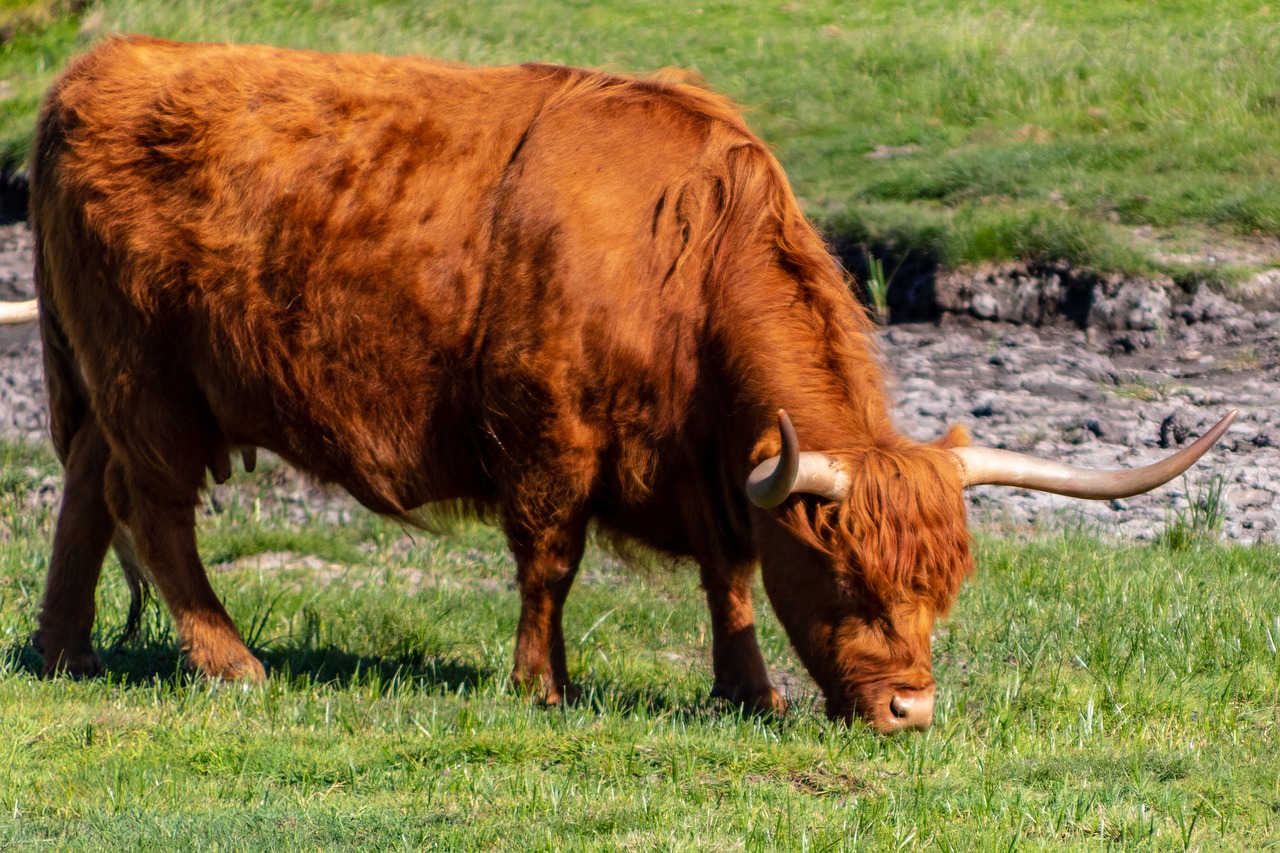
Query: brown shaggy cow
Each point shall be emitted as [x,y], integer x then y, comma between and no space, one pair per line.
[549,293]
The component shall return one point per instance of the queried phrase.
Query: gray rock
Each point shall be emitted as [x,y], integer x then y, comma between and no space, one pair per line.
[1095,426]
[1259,522]
[985,306]
[1207,307]
[1019,337]
[1137,305]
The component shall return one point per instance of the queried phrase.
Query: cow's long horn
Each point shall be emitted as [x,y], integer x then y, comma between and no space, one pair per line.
[988,466]
[18,312]
[792,471]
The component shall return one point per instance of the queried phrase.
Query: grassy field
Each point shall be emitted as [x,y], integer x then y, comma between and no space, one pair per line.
[1090,697]
[1123,135]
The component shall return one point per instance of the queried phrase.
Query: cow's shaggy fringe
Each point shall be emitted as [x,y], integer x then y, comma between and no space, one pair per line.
[897,536]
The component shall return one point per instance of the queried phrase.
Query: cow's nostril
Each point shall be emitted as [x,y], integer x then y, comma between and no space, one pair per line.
[911,709]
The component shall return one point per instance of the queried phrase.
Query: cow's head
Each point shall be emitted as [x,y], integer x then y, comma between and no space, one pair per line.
[872,547]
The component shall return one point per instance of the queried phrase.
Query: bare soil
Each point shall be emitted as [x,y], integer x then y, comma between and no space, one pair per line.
[1123,380]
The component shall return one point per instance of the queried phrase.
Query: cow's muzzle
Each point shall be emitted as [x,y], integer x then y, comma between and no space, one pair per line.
[909,709]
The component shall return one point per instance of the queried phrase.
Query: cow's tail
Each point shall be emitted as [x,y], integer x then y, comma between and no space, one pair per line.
[69,410]
[139,586]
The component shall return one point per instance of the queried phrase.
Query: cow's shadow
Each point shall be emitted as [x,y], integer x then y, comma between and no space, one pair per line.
[624,699]
[158,662]
[148,663]
[153,660]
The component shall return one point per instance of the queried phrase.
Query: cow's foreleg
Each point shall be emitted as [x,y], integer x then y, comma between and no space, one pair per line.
[546,562]
[739,668]
[162,521]
[80,543]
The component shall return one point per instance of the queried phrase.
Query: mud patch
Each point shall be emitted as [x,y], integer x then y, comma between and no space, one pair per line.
[1064,395]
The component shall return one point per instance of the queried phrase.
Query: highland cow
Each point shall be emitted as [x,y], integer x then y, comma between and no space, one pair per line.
[549,294]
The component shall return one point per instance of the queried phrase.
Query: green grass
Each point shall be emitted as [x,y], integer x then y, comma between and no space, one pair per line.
[1015,129]
[19,16]
[1091,697]
[1203,518]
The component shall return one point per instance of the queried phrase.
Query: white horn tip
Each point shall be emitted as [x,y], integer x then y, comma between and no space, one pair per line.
[18,312]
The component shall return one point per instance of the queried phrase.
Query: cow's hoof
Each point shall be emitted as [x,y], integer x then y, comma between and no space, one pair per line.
[247,671]
[77,659]
[565,694]
[761,701]
[545,691]
[244,669]
[73,664]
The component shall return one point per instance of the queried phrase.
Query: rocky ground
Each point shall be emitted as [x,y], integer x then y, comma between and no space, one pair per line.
[1095,372]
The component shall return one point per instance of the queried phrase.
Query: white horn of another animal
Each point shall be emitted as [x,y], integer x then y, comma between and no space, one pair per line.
[18,312]
[792,472]
[990,467]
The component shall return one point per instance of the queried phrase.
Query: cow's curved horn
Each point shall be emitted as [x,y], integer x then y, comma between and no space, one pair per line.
[18,312]
[792,471]
[988,466]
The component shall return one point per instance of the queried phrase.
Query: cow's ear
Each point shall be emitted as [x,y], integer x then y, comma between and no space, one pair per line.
[957,436]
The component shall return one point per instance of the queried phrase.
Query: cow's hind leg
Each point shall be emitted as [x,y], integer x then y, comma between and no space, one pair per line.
[739,668]
[546,561]
[80,542]
[160,515]
[163,443]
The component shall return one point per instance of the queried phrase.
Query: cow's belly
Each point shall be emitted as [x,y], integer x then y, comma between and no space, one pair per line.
[388,419]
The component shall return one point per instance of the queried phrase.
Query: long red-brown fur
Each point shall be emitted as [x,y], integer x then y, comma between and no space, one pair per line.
[553,292]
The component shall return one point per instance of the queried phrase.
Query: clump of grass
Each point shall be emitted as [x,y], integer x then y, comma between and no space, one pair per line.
[23,465]
[1039,232]
[971,233]
[1146,390]
[1221,277]
[1244,361]
[1201,522]
[877,289]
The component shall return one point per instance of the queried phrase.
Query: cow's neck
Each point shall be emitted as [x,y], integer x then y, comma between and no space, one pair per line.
[806,346]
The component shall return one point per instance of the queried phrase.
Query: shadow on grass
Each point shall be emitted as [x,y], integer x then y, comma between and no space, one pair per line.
[608,698]
[159,663]
[148,664]
[416,671]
